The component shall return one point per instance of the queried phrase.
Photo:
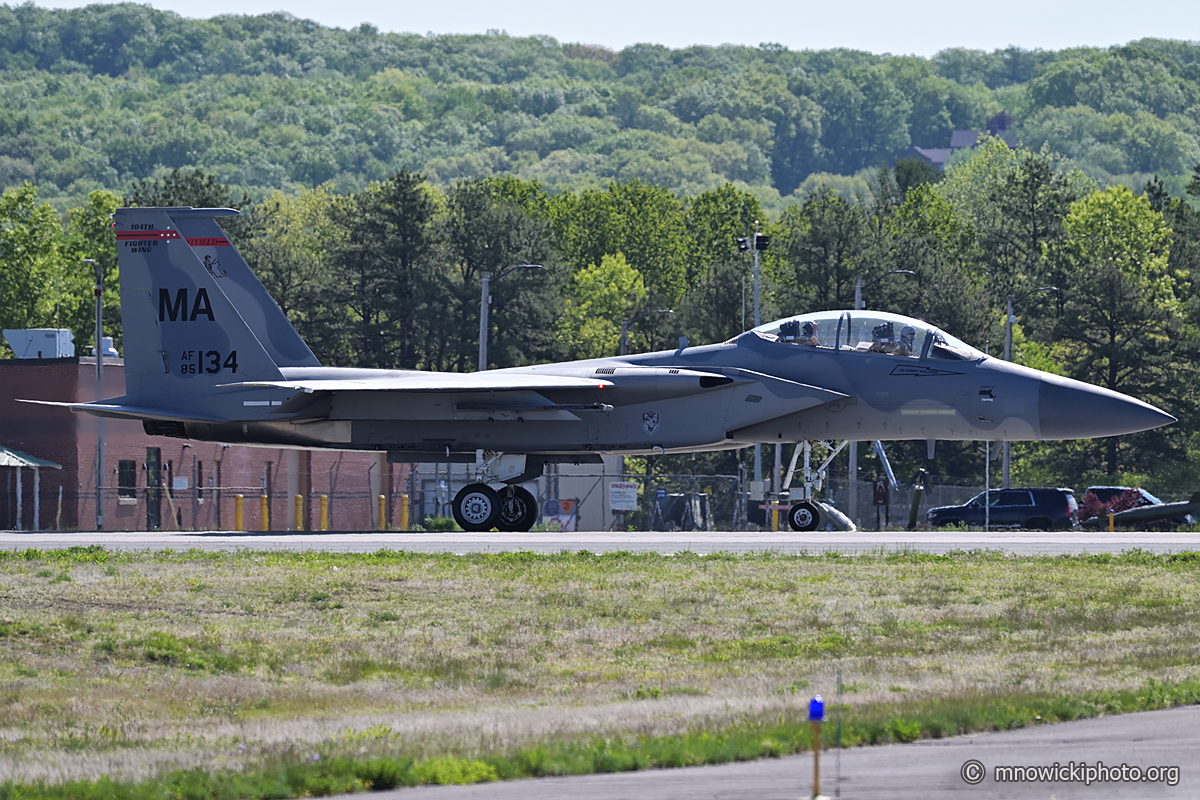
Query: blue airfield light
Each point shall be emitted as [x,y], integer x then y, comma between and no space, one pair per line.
[816,709]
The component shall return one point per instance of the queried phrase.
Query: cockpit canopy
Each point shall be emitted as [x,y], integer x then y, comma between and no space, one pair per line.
[869,332]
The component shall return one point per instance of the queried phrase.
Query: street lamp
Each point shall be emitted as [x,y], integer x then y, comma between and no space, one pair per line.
[485,300]
[627,322]
[758,242]
[852,501]
[99,268]
[1009,319]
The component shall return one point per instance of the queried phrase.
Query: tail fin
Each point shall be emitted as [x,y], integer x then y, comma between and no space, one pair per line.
[231,272]
[183,335]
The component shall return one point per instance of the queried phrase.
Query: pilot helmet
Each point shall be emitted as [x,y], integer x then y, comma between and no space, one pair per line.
[810,329]
[907,334]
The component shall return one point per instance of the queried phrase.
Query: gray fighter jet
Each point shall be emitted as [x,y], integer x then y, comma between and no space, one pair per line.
[209,356]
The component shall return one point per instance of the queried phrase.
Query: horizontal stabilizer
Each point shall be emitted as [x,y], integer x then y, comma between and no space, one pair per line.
[116,411]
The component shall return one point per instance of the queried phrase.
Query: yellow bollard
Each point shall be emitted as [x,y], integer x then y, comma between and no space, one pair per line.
[382,513]
[775,519]
[403,512]
[266,513]
[324,512]
[237,512]
[299,512]
[1111,529]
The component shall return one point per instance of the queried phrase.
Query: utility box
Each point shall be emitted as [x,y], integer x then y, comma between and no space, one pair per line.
[41,342]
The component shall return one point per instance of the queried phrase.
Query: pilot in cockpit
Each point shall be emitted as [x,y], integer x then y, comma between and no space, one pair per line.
[883,339]
[795,332]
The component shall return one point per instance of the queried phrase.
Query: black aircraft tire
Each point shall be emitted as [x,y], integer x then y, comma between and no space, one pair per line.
[803,517]
[476,507]
[518,509]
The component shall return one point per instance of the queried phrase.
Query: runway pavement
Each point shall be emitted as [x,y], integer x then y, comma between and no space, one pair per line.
[1017,542]
[932,769]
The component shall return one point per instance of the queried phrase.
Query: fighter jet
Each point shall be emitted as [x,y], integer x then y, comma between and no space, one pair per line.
[210,357]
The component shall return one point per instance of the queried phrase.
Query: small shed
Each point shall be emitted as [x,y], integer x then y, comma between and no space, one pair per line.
[20,461]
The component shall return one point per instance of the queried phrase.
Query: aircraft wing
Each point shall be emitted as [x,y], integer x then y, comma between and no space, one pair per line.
[618,384]
[435,382]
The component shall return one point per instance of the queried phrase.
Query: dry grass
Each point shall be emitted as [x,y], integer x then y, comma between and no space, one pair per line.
[123,664]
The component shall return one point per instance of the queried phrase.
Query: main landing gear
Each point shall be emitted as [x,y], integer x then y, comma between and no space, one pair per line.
[479,507]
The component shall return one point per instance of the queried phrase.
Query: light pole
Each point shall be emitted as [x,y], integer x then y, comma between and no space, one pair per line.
[852,498]
[627,322]
[485,299]
[1009,319]
[99,391]
[757,242]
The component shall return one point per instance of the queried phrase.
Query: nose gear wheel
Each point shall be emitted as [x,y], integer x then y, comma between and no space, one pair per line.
[803,517]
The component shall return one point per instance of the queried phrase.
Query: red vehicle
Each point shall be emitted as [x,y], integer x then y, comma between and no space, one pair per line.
[1099,500]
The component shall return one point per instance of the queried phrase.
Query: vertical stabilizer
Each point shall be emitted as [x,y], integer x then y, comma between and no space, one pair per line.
[225,264]
[183,335]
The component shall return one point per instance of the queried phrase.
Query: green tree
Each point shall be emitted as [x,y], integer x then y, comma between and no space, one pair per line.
[31,259]
[602,297]
[286,241]
[486,228]
[866,119]
[712,309]
[644,223]
[90,235]
[822,244]
[195,188]
[387,297]
[1122,325]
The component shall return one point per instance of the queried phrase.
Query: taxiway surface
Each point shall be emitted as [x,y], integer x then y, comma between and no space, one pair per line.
[1016,542]
[931,769]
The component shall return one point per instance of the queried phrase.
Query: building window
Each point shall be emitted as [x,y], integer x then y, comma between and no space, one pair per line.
[127,482]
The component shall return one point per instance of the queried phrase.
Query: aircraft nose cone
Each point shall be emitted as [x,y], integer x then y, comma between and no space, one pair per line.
[1071,409]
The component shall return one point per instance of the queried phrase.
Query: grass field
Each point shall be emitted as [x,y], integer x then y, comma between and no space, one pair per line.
[132,665]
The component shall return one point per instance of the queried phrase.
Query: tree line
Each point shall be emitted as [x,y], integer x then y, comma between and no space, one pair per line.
[106,95]
[390,276]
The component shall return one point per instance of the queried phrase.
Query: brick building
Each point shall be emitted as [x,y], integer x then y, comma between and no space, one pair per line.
[158,482]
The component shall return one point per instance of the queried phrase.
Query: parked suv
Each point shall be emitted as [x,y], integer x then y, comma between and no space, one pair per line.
[1037,509]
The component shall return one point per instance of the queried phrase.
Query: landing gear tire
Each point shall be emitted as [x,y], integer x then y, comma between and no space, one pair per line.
[476,507]
[518,509]
[803,517]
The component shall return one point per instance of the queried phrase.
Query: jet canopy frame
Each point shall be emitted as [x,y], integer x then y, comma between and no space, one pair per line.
[869,332]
